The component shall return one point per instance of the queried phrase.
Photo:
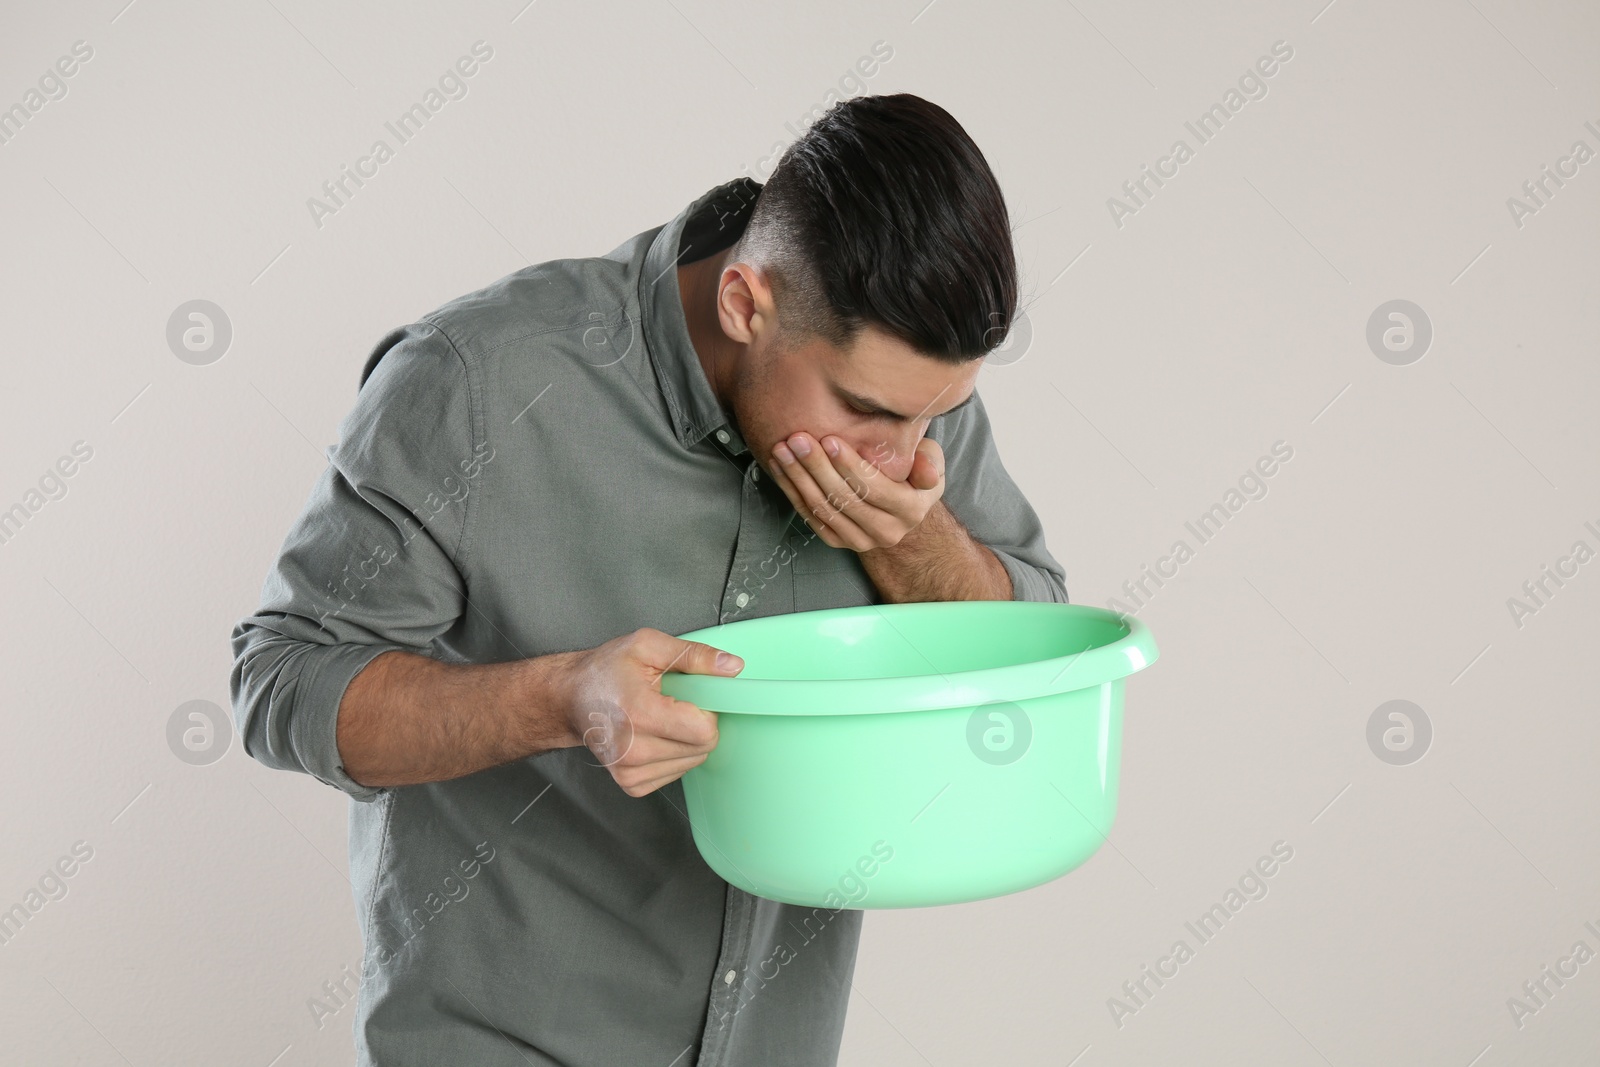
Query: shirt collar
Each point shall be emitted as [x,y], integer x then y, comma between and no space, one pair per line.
[709,225]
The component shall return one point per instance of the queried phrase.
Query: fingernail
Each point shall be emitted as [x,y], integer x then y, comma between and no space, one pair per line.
[783,454]
[801,446]
[832,446]
[728,663]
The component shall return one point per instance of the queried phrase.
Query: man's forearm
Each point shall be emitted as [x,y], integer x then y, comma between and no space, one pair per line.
[407,719]
[938,560]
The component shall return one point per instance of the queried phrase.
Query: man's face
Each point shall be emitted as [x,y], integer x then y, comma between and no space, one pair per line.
[811,386]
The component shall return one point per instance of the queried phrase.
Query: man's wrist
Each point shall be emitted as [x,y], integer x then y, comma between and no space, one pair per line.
[544,701]
[937,560]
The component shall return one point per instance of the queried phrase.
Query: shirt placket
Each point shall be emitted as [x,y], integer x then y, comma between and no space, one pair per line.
[753,589]
[738,922]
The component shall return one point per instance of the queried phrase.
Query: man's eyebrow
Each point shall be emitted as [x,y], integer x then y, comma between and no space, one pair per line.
[879,409]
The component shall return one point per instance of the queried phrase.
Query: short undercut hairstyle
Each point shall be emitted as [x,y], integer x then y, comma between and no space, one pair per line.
[886,213]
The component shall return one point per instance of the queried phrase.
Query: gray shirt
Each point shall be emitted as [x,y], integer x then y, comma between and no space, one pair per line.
[541,466]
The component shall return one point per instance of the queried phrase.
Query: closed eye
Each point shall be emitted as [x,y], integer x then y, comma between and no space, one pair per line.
[860,406]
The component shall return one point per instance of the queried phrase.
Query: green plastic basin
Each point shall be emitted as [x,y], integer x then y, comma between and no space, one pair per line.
[907,755]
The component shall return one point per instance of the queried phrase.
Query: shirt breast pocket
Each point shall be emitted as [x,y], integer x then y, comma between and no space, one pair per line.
[828,577]
[816,556]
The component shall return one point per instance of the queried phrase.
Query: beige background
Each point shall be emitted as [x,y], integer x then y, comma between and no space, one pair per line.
[1167,355]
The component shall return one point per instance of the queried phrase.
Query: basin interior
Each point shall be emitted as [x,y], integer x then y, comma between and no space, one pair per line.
[909,640]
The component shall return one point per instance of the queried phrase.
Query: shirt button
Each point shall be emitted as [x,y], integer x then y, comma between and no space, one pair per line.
[728,978]
[722,435]
[755,473]
[742,599]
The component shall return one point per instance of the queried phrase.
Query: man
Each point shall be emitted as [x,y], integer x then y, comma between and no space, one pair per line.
[543,481]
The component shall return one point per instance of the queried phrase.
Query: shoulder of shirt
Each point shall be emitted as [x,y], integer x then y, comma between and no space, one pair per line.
[549,298]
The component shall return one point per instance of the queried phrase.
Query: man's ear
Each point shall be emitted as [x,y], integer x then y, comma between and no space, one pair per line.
[744,302]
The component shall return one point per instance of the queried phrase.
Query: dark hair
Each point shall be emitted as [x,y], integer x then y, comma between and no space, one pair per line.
[886,213]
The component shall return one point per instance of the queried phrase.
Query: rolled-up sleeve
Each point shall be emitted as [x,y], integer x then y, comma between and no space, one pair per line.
[372,564]
[980,493]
